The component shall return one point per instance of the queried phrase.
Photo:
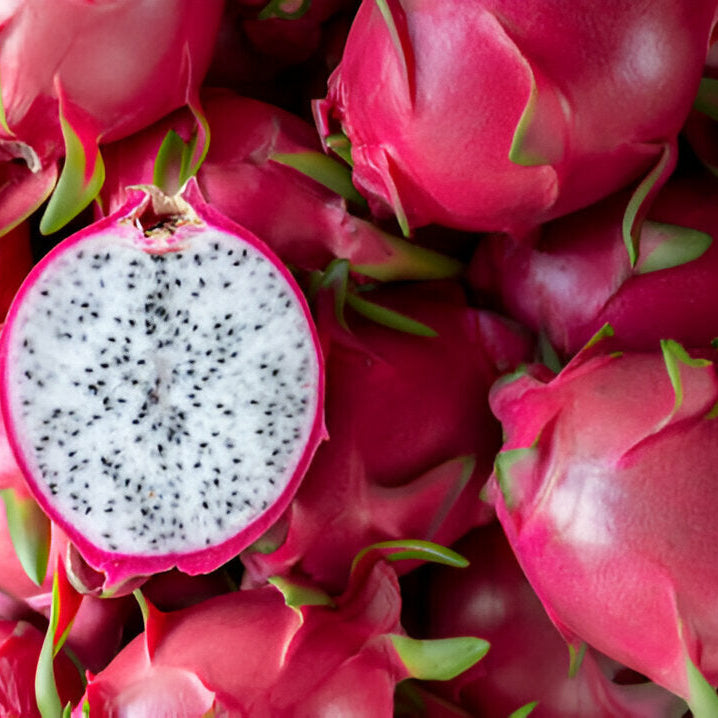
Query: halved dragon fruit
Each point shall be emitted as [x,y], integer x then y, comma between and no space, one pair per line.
[162,387]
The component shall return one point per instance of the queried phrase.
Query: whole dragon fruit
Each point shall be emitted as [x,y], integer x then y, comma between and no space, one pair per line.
[162,387]
[499,115]
[320,656]
[606,490]
[577,275]
[412,436]
[62,92]
[529,661]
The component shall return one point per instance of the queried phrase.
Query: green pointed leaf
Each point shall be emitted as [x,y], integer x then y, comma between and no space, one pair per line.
[339,143]
[638,204]
[414,549]
[548,354]
[703,700]
[508,467]
[674,355]
[170,163]
[403,50]
[713,413]
[336,278]
[410,261]
[144,606]
[275,9]
[388,317]
[524,710]
[440,659]
[576,656]
[198,146]
[29,530]
[604,332]
[81,178]
[707,98]
[530,146]
[67,711]
[323,169]
[46,695]
[296,595]
[678,245]
[3,117]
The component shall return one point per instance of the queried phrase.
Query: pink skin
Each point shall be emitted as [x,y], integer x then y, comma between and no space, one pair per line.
[432,126]
[153,82]
[595,506]
[528,660]
[40,68]
[20,644]
[308,228]
[578,276]
[404,431]
[15,263]
[122,570]
[284,661]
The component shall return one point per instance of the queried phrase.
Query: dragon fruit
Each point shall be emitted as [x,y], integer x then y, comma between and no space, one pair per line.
[62,92]
[248,167]
[321,655]
[578,277]
[528,661]
[498,115]
[605,488]
[412,442]
[162,387]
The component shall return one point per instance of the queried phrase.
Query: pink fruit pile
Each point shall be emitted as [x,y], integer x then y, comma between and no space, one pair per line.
[359,358]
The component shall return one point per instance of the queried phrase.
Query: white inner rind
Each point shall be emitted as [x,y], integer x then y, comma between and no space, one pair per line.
[162,401]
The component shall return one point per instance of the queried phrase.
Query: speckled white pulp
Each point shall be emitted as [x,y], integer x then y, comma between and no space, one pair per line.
[162,401]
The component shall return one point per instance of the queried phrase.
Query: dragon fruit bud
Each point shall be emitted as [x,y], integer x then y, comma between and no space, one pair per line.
[62,93]
[412,436]
[577,277]
[162,387]
[605,488]
[528,661]
[251,162]
[320,655]
[495,116]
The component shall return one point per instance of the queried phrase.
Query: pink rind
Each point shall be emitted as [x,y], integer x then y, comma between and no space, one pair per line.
[119,568]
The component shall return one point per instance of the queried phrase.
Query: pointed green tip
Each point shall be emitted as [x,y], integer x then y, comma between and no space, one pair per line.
[439,659]
[520,152]
[676,246]
[297,595]
[702,700]
[673,356]
[322,169]
[388,317]
[508,478]
[144,607]
[524,710]
[73,192]
[576,655]
[414,549]
[641,197]
[30,534]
